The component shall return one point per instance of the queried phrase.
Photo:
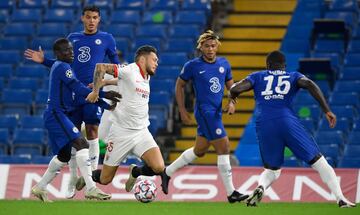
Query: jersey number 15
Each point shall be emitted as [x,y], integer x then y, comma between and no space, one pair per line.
[282,87]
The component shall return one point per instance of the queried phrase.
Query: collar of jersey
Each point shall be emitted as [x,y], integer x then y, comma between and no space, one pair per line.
[141,72]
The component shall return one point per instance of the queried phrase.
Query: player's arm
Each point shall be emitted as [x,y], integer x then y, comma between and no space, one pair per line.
[180,99]
[230,107]
[38,57]
[238,88]
[315,91]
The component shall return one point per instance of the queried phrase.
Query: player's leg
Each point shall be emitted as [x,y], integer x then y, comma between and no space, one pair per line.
[271,147]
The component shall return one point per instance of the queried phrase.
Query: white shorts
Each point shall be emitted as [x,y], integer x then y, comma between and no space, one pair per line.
[125,141]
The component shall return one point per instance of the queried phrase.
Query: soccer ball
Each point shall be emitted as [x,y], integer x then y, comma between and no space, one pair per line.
[145,191]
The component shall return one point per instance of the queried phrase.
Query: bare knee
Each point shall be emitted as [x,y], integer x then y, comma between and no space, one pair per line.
[91,132]
[200,153]
[158,168]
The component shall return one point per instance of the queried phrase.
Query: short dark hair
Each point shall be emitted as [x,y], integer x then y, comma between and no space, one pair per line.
[276,61]
[92,8]
[144,50]
[59,43]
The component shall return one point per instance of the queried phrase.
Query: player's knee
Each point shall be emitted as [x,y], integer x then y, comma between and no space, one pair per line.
[64,154]
[80,143]
[158,168]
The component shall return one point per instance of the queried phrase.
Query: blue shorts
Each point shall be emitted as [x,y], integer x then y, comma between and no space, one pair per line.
[273,135]
[60,129]
[210,124]
[88,113]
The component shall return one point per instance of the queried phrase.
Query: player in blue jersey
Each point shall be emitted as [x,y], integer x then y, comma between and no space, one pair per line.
[63,135]
[274,90]
[209,74]
[91,46]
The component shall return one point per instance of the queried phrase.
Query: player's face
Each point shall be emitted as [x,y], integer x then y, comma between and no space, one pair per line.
[66,53]
[151,63]
[91,21]
[209,49]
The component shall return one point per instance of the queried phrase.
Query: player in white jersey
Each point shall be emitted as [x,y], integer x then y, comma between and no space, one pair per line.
[130,120]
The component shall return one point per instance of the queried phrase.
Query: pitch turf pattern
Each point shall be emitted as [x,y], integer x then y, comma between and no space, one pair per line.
[26,207]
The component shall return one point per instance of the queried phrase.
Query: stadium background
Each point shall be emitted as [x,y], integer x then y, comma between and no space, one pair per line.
[320,38]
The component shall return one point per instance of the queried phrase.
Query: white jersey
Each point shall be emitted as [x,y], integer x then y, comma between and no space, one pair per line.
[133,110]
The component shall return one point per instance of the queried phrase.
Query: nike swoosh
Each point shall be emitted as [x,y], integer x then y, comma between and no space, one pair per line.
[201,72]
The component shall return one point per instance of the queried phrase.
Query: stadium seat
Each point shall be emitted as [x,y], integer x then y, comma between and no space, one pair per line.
[347,111]
[59,15]
[23,83]
[312,5]
[248,155]
[354,46]
[6,4]
[162,85]
[32,71]
[41,97]
[196,5]
[295,46]
[102,4]
[292,61]
[345,5]
[330,137]
[345,98]
[335,58]
[292,162]
[5,69]
[170,5]
[330,150]
[16,101]
[180,45]
[31,4]
[304,98]
[52,29]
[352,60]
[9,57]
[309,124]
[152,30]
[191,17]
[2,84]
[184,30]
[65,4]
[153,41]
[9,122]
[4,141]
[46,43]
[347,86]
[342,124]
[125,17]
[160,98]
[352,151]
[19,29]
[161,112]
[302,18]
[30,121]
[26,15]
[123,44]
[173,59]
[298,32]
[153,127]
[130,5]
[324,86]
[332,46]
[13,43]
[350,73]
[354,138]
[122,30]
[4,16]
[346,162]
[28,141]
[167,72]
[158,17]
[14,159]
[39,159]
[356,126]
[349,18]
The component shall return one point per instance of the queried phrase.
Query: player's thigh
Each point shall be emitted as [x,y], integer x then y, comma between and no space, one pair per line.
[271,143]
[104,126]
[221,145]
[210,125]
[91,114]
[300,142]
[201,146]
[107,173]
[121,143]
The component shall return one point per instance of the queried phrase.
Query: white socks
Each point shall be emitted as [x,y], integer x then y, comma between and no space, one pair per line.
[268,176]
[72,164]
[328,176]
[223,163]
[94,153]
[185,158]
[83,161]
[53,169]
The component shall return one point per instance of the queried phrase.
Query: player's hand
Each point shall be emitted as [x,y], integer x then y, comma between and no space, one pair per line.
[185,117]
[331,118]
[113,96]
[36,56]
[112,106]
[230,108]
[92,97]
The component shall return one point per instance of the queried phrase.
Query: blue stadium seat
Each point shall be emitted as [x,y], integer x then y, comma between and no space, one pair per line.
[23,83]
[14,159]
[153,41]
[122,30]
[102,4]
[354,46]
[65,4]
[292,61]
[160,98]
[4,141]
[184,30]
[304,98]
[304,18]
[46,43]
[13,43]
[162,85]
[39,159]
[19,29]
[5,69]
[180,45]
[9,122]
[342,124]
[59,15]
[32,71]
[330,137]
[346,162]
[347,111]
[356,126]
[309,124]
[330,150]
[41,97]
[31,4]
[248,155]
[4,16]
[354,138]
[312,5]
[171,5]
[153,127]
[167,72]
[161,112]
[2,83]
[345,5]
[332,46]
[26,15]
[123,45]
[292,162]
[196,5]
[335,58]
[347,86]
[6,4]
[130,4]
[173,59]
[29,121]
[352,151]
[324,86]
[152,30]
[352,60]
[298,32]
[125,17]
[308,111]
[28,141]
[52,29]
[191,17]
[9,57]
[157,17]
[348,17]
[350,73]
[295,46]
[341,98]
[16,101]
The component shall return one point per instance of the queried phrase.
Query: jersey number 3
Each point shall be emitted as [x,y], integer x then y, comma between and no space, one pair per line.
[282,87]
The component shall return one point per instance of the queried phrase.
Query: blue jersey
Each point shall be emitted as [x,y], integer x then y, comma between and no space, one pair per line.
[208,81]
[63,83]
[89,50]
[274,92]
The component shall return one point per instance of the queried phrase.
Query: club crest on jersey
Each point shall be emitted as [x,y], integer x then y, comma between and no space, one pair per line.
[69,73]
[221,69]
[218,131]
[98,41]
[75,130]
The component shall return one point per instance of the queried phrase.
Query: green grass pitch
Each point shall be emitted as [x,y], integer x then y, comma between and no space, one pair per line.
[30,207]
